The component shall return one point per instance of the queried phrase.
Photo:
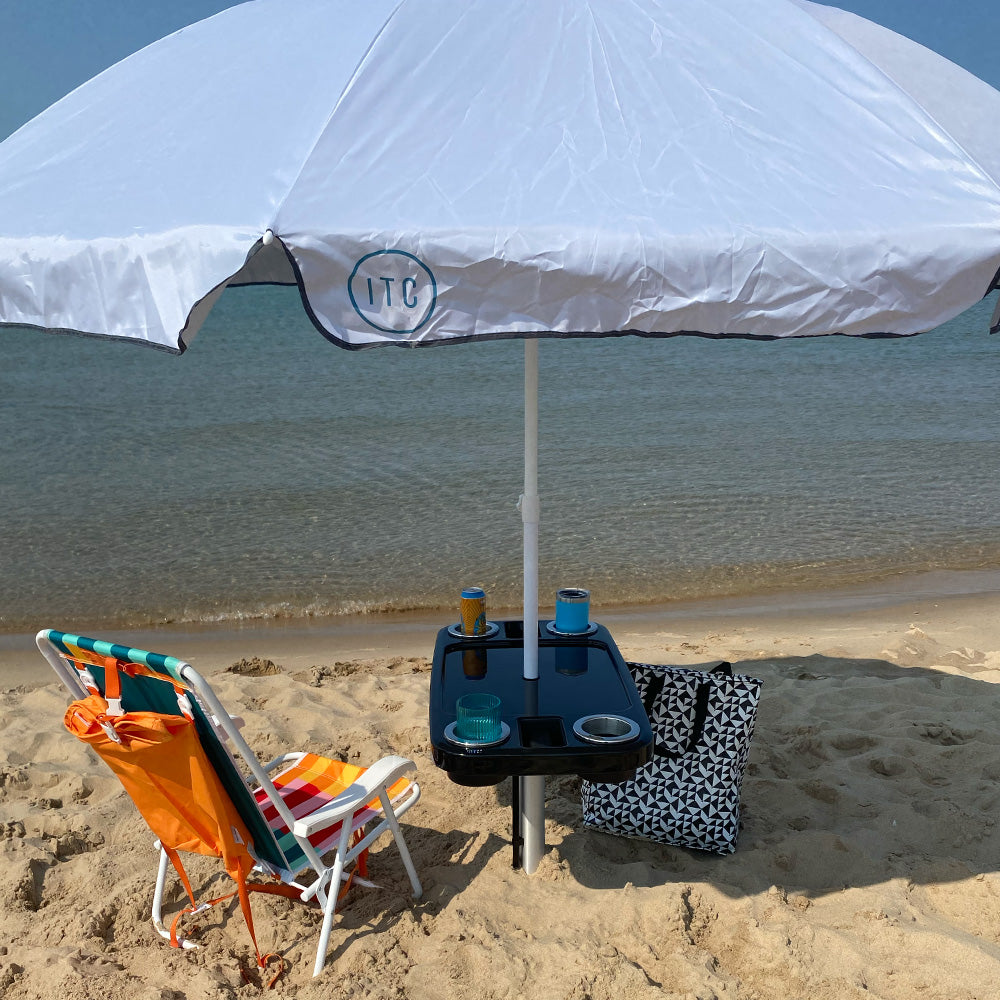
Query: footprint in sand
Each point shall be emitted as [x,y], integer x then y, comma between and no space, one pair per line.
[889,767]
[945,735]
[853,743]
[821,792]
[255,667]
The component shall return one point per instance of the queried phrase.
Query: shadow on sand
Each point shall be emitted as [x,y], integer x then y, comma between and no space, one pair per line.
[860,771]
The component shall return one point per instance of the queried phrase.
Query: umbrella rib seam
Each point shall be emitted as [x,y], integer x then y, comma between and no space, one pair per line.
[319,135]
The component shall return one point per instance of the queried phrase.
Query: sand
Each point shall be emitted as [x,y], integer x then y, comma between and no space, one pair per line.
[868,866]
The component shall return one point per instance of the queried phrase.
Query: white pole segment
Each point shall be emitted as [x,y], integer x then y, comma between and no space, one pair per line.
[530,509]
[532,821]
[532,786]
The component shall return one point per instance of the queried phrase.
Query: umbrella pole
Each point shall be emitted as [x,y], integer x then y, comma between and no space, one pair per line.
[532,797]
[530,510]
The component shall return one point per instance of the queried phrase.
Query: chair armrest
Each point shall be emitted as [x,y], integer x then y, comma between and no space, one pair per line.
[282,758]
[382,774]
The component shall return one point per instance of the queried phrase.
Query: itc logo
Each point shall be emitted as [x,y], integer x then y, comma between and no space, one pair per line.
[393,291]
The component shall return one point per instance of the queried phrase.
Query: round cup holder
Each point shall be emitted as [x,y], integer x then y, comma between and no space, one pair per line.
[451,735]
[457,630]
[589,630]
[605,729]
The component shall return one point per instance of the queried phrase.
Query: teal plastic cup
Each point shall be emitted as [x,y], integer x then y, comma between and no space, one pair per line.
[478,718]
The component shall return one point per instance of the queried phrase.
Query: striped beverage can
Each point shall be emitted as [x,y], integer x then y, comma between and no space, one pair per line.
[474,611]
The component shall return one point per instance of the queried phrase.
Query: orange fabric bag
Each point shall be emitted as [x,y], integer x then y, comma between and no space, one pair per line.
[161,763]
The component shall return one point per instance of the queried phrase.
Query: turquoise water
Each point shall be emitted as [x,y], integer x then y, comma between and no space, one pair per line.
[267,473]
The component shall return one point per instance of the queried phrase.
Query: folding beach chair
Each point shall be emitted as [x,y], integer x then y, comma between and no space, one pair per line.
[281,820]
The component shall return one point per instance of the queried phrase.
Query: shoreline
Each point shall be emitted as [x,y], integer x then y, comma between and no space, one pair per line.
[951,602]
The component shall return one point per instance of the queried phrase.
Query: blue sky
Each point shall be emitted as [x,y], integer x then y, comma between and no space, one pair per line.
[48,47]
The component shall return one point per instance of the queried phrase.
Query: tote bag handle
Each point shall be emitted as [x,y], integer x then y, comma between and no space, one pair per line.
[653,692]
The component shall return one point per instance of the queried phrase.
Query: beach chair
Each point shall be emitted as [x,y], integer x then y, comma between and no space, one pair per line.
[287,816]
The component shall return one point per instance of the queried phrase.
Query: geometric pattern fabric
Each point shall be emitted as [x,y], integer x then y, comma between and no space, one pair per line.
[688,794]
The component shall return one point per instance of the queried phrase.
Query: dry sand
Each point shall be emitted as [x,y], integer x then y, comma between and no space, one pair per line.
[868,866]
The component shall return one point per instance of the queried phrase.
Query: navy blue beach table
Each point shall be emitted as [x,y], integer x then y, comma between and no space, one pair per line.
[581,677]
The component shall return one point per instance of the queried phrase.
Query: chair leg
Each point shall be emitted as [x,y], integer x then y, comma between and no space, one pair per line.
[332,892]
[161,881]
[397,833]
[161,878]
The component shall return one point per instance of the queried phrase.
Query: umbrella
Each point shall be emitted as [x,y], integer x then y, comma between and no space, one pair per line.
[439,171]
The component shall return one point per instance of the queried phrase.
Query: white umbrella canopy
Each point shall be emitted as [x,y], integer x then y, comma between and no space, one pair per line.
[432,171]
[439,170]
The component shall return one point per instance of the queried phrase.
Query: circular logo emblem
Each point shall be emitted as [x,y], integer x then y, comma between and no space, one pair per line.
[393,291]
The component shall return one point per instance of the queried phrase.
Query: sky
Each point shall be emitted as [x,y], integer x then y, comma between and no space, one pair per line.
[49,47]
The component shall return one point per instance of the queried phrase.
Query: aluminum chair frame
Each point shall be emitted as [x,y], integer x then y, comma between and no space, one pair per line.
[349,808]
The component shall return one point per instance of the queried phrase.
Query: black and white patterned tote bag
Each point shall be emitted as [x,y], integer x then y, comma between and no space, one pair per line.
[689,793]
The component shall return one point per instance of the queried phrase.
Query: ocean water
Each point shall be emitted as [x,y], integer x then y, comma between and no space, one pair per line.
[267,473]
